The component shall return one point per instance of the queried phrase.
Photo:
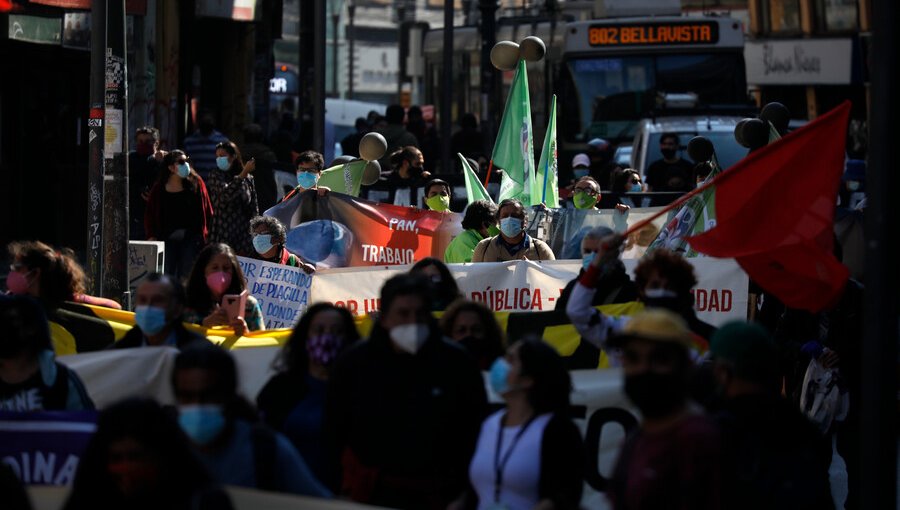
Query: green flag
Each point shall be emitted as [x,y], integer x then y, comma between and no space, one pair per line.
[474,189]
[544,187]
[344,178]
[514,148]
[695,217]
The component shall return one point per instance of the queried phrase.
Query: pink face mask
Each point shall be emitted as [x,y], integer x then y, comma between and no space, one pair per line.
[218,282]
[17,283]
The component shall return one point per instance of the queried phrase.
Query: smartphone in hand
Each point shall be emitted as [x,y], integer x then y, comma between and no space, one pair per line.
[234,304]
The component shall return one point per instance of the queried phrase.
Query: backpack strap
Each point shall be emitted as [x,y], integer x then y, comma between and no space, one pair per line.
[264,449]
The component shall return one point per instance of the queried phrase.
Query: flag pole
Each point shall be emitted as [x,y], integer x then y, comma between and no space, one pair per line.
[488,178]
[681,200]
[546,173]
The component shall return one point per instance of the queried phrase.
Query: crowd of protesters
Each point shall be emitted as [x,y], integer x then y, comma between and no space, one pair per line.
[400,417]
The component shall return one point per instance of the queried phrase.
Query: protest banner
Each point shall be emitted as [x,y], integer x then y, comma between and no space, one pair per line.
[528,286]
[282,291]
[337,230]
[44,447]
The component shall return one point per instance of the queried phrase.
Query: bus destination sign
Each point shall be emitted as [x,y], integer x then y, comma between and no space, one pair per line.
[654,34]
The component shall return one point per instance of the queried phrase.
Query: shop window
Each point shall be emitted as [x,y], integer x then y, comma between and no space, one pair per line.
[781,16]
[837,15]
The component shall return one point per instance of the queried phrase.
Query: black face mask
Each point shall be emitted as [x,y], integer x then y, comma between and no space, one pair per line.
[668,153]
[477,348]
[656,395]
[673,304]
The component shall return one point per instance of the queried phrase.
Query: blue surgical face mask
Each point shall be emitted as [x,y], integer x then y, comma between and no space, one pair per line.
[201,423]
[636,188]
[222,162]
[499,376]
[184,170]
[511,227]
[150,319]
[587,258]
[262,243]
[307,180]
[581,172]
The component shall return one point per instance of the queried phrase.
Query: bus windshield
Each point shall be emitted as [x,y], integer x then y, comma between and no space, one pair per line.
[611,94]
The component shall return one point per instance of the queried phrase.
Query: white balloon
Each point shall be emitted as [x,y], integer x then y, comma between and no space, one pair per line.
[532,49]
[371,173]
[372,146]
[505,55]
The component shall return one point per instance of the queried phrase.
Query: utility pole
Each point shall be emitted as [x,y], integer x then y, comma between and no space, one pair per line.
[877,418]
[447,86]
[318,110]
[115,180]
[351,36]
[95,148]
[489,77]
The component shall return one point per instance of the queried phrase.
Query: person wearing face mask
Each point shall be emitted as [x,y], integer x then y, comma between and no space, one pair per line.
[407,176]
[673,458]
[179,212]
[403,408]
[513,243]
[158,315]
[479,222]
[529,454]
[269,237]
[223,430]
[473,325]
[437,195]
[216,273]
[232,190]
[443,285]
[664,280]
[774,457]
[587,196]
[624,182]
[671,173]
[30,377]
[614,286]
[139,459]
[293,401]
[309,168]
[143,166]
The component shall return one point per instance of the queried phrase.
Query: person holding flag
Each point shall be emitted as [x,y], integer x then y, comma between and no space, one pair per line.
[479,223]
[309,169]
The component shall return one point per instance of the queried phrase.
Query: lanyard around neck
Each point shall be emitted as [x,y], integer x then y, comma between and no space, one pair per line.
[500,463]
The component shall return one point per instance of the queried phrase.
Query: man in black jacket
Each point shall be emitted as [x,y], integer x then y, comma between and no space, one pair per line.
[158,316]
[404,409]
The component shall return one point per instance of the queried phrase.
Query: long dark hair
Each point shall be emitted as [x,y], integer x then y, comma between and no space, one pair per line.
[171,158]
[552,383]
[237,163]
[199,297]
[444,292]
[146,422]
[293,358]
[62,278]
[494,343]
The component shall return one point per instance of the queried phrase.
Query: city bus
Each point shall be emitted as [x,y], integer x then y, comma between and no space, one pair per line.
[615,72]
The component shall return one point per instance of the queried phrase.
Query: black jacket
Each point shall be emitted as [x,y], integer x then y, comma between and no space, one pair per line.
[415,416]
[135,338]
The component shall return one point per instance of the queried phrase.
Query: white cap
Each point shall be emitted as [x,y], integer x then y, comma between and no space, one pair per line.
[581,160]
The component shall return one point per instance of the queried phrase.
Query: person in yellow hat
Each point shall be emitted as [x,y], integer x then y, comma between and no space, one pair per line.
[673,458]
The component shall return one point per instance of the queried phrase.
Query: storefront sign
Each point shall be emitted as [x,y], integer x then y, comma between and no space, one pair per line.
[799,62]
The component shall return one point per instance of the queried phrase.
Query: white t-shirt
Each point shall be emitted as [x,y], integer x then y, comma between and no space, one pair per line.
[522,469]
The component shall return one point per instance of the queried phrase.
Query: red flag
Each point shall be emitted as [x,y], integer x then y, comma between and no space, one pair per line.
[775,212]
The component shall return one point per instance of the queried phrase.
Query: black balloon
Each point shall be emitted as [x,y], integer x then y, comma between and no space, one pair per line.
[755,134]
[700,149]
[778,115]
[739,132]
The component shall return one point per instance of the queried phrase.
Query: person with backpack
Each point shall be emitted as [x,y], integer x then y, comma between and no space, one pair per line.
[30,377]
[222,427]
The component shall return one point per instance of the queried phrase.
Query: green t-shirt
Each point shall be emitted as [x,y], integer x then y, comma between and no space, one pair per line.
[461,247]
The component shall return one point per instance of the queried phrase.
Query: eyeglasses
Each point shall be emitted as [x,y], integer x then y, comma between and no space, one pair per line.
[590,191]
[308,168]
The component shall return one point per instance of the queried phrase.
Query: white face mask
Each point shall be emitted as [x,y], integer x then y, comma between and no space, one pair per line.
[409,337]
[659,293]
